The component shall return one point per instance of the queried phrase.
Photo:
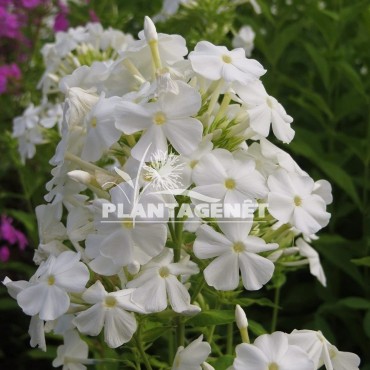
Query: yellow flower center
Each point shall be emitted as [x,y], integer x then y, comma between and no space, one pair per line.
[128,224]
[159,118]
[297,200]
[110,301]
[226,58]
[273,366]
[164,272]
[230,184]
[193,163]
[51,280]
[93,122]
[239,247]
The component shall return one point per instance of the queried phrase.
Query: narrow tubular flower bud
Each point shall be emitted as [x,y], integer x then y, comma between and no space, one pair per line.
[206,366]
[150,31]
[242,323]
[241,318]
[82,177]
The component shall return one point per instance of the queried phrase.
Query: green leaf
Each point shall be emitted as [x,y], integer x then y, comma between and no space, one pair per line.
[357,303]
[223,362]
[364,261]
[320,62]
[352,76]
[7,304]
[256,328]
[50,354]
[214,317]
[245,302]
[151,335]
[367,324]
[332,170]
[337,251]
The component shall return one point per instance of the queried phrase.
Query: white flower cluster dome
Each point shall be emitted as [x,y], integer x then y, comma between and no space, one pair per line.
[164,173]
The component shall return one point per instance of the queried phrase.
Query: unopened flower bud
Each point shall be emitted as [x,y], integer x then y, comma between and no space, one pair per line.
[150,31]
[206,366]
[241,318]
[133,268]
[82,177]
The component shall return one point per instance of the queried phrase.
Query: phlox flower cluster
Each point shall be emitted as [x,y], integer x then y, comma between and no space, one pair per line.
[157,125]
[78,46]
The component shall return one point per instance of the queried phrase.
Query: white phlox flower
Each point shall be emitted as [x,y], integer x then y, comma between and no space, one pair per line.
[73,353]
[245,39]
[321,352]
[217,62]
[192,356]
[232,180]
[47,295]
[169,118]
[128,237]
[235,251]
[292,200]
[265,111]
[113,311]
[158,281]
[313,257]
[271,352]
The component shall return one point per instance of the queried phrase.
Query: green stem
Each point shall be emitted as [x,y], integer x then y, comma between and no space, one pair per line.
[180,332]
[275,312]
[229,339]
[140,347]
[180,328]
[198,289]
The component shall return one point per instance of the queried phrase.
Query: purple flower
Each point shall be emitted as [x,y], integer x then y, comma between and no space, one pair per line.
[21,240]
[93,16]
[9,24]
[61,22]
[7,231]
[10,234]
[8,72]
[4,253]
[31,3]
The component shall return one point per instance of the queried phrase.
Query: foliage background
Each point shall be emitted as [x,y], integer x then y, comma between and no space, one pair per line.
[317,55]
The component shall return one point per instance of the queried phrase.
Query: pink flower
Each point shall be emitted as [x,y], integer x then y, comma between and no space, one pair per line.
[93,16]
[8,72]
[61,22]
[31,3]
[4,253]
[10,234]
[9,24]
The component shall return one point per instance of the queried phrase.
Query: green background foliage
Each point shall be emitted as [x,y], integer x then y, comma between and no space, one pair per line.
[317,59]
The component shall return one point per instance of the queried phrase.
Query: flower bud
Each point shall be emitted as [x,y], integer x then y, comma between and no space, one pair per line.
[82,177]
[150,31]
[241,318]
[133,268]
[206,366]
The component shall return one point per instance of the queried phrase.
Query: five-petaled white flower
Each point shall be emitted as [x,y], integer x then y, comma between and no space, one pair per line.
[157,280]
[264,110]
[271,352]
[292,200]
[235,250]
[233,180]
[170,117]
[108,310]
[47,294]
[216,62]
[192,356]
[321,352]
